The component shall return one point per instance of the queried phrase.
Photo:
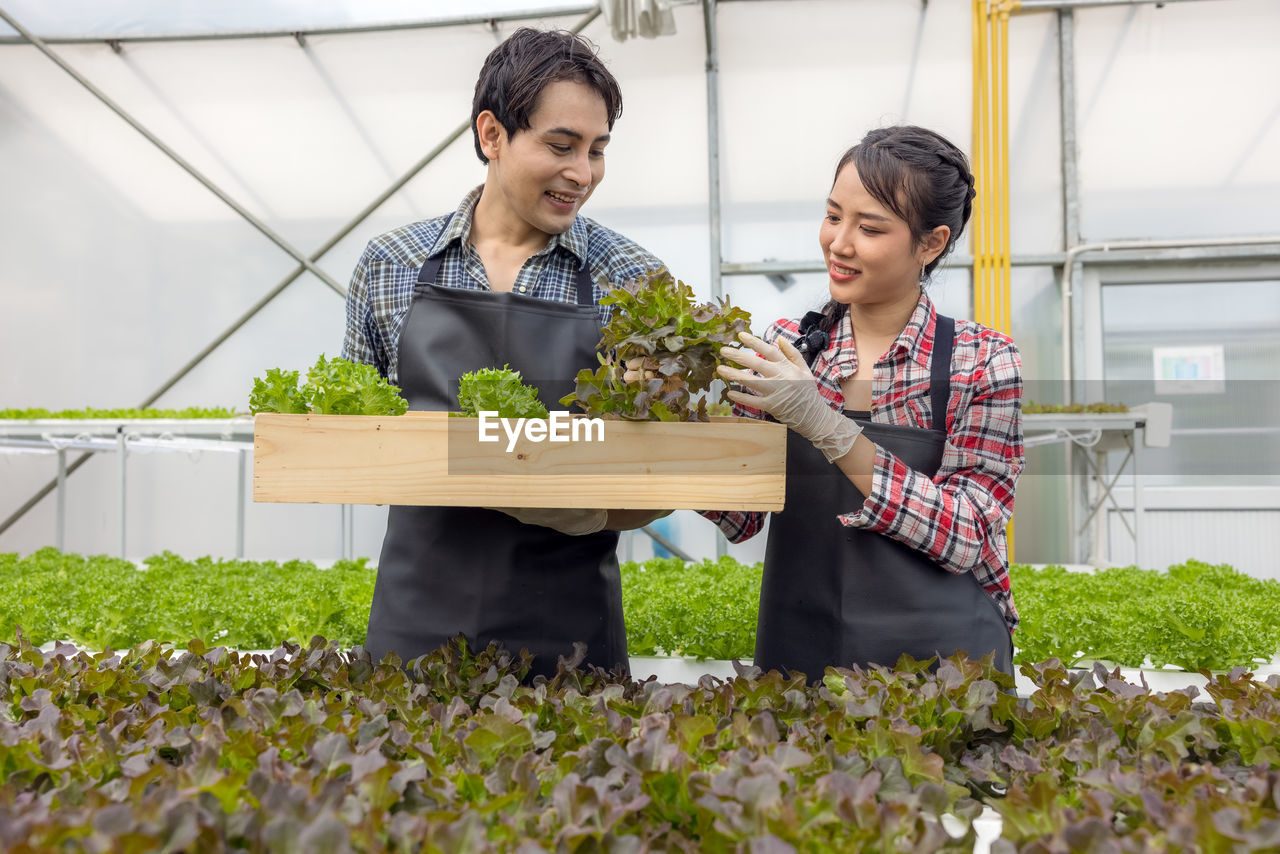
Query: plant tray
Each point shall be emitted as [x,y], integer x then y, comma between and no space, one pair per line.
[429,458]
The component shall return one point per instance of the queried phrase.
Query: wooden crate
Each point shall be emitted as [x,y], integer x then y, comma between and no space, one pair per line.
[429,458]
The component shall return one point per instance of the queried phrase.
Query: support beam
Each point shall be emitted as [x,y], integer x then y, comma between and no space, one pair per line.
[713,143]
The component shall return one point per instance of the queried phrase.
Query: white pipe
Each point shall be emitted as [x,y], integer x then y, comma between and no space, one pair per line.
[1074,252]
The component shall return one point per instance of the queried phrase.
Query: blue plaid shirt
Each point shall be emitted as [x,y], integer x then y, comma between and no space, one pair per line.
[382,285]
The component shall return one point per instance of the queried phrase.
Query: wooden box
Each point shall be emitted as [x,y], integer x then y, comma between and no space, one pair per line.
[429,458]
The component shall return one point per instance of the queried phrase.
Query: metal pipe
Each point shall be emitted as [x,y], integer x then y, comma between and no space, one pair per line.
[1070,232]
[241,483]
[713,143]
[123,447]
[1067,128]
[714,246]
[1070,176]
[60,531]
[261,226]
[1260,249]
[467,20]
[675,550]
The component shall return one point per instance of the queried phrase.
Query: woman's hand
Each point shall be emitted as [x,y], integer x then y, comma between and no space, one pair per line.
[782,385]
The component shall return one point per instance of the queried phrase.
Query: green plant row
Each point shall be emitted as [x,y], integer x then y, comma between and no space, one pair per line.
[103,601]
[706,609]
[316,749]
[116,414]
[1195,615]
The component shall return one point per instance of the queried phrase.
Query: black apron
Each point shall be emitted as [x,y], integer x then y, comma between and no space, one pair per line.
[450,570]
[835,596]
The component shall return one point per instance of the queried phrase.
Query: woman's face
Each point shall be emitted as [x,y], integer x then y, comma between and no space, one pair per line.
[870,254]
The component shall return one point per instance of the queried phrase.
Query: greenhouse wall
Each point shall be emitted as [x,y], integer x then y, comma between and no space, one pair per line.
[117,267]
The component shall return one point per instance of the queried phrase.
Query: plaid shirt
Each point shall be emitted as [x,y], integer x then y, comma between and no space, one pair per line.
[382,285]
[957,518]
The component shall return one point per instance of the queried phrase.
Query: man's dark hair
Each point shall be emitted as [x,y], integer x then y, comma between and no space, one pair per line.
[516,71]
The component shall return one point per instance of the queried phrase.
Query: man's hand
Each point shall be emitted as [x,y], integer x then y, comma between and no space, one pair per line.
[565,520]
[783,386]
[636,372]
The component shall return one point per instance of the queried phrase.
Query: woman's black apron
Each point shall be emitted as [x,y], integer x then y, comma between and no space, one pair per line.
[450,570]
[835,596]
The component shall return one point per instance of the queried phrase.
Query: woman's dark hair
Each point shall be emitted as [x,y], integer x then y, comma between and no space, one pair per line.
[516,71]
[920,176]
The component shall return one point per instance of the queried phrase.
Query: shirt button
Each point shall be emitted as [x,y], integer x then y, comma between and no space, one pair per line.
[522,289]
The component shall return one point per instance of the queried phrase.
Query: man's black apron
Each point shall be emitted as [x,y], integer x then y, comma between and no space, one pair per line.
[446,570]
[834,596]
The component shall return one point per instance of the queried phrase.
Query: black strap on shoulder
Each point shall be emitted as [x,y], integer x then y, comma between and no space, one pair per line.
[944,340]
[812,340]
[586,287]
[431,267]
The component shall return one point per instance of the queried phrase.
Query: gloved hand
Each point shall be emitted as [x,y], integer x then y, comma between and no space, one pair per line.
[563,519]
[785,388]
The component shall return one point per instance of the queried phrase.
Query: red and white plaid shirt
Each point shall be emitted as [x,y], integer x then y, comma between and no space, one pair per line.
[957,517]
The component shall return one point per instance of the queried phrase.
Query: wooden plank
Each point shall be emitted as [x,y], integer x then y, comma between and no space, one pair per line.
[429,458]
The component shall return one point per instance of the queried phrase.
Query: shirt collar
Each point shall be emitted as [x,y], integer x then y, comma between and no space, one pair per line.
[573,241]
[916,338]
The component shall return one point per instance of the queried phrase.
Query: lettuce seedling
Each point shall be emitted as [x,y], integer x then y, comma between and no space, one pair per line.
[500,390]
[334,387]
[277,393]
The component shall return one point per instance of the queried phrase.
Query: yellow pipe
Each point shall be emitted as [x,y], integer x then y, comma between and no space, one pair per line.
[982,294]
[1003,312]
[975,232]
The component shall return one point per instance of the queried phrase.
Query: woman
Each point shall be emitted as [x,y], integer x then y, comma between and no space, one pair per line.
[906,434]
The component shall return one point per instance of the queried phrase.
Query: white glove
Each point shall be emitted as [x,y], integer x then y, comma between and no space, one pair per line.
[565,520]
[784,387]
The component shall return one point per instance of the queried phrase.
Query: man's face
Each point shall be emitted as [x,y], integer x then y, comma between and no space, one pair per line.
[543,175]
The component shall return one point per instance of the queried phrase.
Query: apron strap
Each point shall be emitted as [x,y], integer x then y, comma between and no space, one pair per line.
[944,339]
[586,287]
[431,269]
[427,275]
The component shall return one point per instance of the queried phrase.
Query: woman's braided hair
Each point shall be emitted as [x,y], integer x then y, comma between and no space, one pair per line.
[920,176]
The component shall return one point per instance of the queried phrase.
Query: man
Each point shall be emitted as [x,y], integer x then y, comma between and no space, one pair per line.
[508,278]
